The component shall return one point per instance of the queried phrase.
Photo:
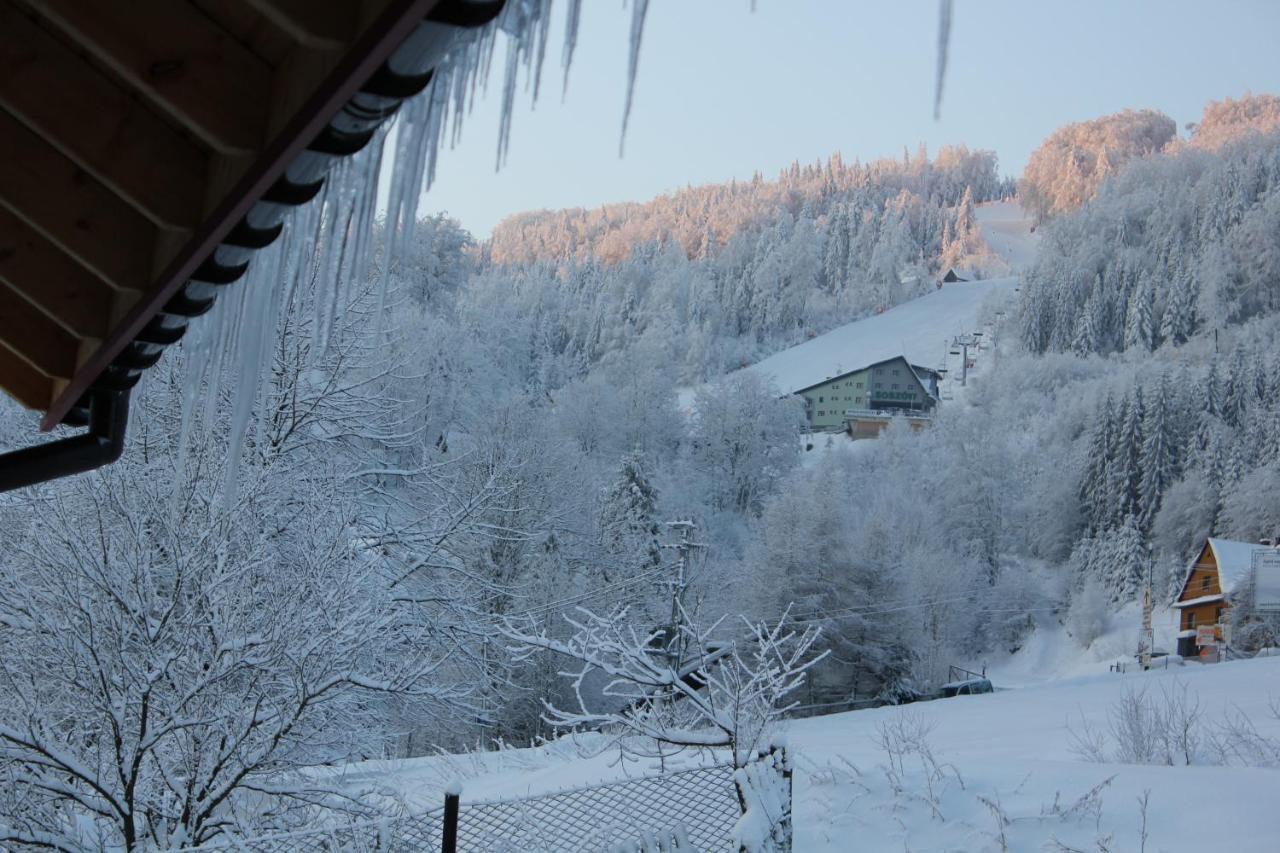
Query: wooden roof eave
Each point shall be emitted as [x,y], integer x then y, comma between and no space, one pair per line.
[94,330]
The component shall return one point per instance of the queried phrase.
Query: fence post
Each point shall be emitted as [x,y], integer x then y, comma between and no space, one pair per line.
[784,760]
[449,828]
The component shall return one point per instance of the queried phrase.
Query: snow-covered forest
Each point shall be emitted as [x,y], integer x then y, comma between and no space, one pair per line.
[719,276]
[495,439]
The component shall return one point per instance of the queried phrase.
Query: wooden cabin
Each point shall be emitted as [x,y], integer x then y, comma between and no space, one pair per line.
[1223,571]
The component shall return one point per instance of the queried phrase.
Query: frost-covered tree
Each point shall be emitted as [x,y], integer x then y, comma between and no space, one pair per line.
[744,439]
[1065,171]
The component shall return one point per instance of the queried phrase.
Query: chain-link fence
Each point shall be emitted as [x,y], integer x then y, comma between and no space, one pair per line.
[401,835]
[689,810]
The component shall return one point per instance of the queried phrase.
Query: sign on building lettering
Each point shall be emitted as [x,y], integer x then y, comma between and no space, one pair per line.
[1206,635]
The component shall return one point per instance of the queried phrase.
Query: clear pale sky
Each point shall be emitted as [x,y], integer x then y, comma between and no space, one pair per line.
[723,91]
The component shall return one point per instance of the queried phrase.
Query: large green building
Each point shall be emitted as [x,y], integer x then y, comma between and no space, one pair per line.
[892,385]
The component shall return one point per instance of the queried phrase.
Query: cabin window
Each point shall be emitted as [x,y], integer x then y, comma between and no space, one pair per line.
[1217,614]
[1206,582]
[1191,618]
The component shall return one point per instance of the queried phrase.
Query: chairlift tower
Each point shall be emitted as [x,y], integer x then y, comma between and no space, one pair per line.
[960,346]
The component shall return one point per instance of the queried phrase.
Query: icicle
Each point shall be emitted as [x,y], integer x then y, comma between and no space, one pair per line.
[638,11]
[258,298]
[325,250]
[573,16]
[543,36]
[944,42]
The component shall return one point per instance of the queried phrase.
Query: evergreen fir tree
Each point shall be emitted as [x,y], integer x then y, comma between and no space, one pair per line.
[1126,461]
[1095,491]
[1159,453]
[1139,332]
[628,519]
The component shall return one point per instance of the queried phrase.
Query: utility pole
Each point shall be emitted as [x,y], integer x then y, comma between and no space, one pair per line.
[964,342]
[679,584]
[1147,638]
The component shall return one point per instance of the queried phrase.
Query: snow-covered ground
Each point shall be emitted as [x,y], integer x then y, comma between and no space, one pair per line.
[1007,229]
[1008,767]
[1050,653]
[980,767]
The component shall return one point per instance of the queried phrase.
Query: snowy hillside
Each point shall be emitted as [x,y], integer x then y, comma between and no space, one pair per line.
[1007,229]
[921,329]
[955,765]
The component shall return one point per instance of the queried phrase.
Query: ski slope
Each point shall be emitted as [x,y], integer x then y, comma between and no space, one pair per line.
[1006,229]
[1010,753]
[921,329]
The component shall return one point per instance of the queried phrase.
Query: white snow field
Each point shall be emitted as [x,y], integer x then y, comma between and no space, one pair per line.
[1011,778]
[986,773]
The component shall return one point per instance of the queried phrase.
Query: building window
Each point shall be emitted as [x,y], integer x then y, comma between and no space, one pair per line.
[895,371]
[1191,618]
[859,385]
[822,399]
[1206,582]
[1217,615]
[879,385]
[857,400]
[895,386]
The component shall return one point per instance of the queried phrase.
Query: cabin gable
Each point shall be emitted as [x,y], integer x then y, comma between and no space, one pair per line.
[1202,579]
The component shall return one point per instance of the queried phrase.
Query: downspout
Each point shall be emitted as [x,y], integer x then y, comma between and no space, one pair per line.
[101,445]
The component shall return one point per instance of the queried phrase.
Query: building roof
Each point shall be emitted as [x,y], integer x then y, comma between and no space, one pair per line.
[1236,564]
[856,370]
[1235,561]
[150,149]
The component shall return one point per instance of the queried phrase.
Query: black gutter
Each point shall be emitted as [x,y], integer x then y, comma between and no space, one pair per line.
[101,445]
[405,73]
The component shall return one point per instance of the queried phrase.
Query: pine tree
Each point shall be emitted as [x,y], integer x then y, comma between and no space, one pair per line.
[1095,494]
[629,520]
[1090,327]
[1128,560]
[1139,332]
[1159,453]
[1125,471]
[1178,322]
[1234,387]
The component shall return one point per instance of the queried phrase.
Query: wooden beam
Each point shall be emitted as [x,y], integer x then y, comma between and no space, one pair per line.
[179,58]
[56,197]
[83,113]
[326,26]
[250,27]
[369,51]
[40,342]
[21,381]
[65,291]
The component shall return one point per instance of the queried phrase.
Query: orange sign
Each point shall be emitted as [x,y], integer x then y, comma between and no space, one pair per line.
[1206,635]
